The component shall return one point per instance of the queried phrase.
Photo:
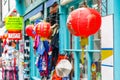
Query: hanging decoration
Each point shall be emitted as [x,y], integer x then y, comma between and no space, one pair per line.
[84,22]
[43,29]
[30,31]
[61,70]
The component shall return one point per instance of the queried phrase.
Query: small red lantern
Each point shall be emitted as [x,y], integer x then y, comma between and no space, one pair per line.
[43,29]
[30,31]
[84,22]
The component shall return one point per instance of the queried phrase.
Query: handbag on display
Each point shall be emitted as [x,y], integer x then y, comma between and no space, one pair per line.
[63,68]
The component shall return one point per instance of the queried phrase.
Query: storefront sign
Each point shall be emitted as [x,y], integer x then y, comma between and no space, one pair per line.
[15,36]
[14,23]
[64,2]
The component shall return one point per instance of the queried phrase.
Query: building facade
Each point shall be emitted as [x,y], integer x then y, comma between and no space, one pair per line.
[96,48]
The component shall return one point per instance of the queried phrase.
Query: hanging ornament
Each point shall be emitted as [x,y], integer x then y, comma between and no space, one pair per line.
[30,31]
[84,22]
[43,29]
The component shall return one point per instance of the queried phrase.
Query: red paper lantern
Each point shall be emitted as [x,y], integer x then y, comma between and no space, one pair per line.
[84,22]
[43,29]
[30,31]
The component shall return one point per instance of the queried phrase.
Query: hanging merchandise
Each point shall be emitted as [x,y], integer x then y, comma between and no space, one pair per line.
[63,68]
[56,59]
[46,45]
[42,62]
[50,60]
[40,49]
[36,42]
[84,22]
[11,59]
[54,41]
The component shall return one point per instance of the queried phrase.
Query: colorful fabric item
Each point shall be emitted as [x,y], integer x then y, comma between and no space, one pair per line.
[46,45]
[54,41]
[40,49]
[43,64]
[36,42]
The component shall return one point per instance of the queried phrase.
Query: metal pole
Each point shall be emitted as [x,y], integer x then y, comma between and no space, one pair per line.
[116,39]
[32,67]
[62,12]
[90,56]
[76,60]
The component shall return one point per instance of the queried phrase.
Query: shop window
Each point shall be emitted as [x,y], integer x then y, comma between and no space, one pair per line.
[53,16]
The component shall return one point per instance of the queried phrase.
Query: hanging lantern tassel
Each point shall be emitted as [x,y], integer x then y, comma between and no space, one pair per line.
[84,42]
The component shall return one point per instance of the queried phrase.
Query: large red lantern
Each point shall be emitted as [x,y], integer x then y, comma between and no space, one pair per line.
[84,22]
[30,31]
[43,29]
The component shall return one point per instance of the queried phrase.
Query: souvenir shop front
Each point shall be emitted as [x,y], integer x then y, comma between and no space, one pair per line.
[47,41]
[68,44]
